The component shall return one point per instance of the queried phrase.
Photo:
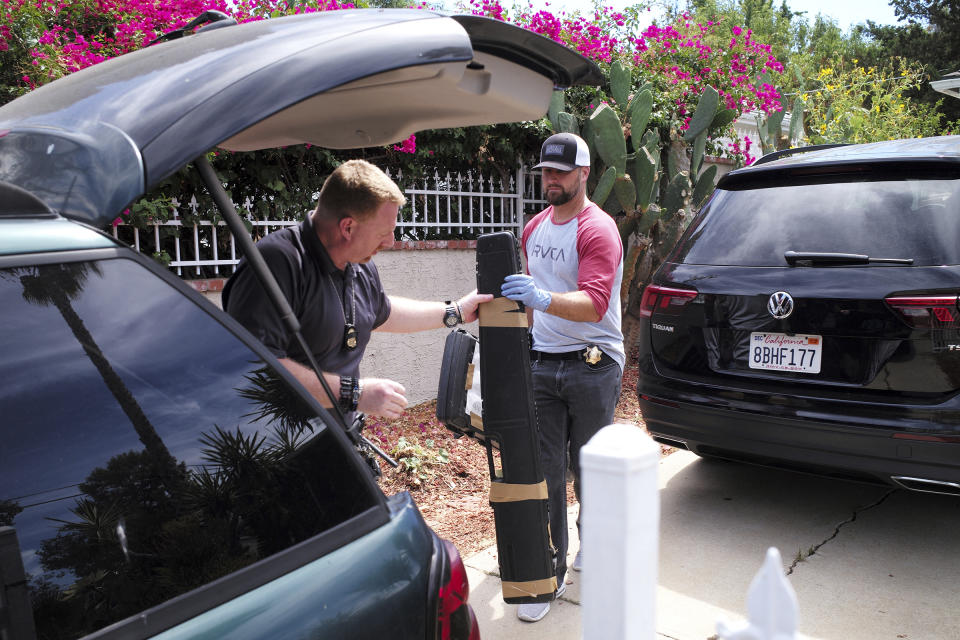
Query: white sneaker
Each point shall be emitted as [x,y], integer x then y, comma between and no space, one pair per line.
[577,562]
[535,611]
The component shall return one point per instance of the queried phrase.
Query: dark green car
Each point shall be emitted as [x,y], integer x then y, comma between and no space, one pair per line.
[161,475]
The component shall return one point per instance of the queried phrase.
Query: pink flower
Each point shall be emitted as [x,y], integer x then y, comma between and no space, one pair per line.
[407,146]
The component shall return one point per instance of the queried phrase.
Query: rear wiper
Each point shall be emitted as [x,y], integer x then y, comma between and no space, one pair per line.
[810,258]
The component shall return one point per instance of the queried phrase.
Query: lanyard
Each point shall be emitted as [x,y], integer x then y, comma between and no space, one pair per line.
[349,310]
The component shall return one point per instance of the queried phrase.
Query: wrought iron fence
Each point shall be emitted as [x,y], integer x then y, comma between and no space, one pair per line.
[438,208]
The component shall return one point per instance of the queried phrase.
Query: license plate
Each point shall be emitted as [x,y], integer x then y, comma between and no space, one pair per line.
[783,352]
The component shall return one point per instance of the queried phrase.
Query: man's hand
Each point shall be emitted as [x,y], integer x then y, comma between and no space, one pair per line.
[381,397]
[520,287]
[470,303]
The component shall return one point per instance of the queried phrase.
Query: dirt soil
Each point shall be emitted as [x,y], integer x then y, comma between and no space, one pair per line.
[448,477]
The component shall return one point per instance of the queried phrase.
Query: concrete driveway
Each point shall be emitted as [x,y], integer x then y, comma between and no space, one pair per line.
[876,562]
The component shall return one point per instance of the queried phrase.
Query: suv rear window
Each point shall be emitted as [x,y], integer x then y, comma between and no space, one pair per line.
[146,450]
[916,219]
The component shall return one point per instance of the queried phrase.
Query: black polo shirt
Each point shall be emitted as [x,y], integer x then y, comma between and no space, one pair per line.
[315,289]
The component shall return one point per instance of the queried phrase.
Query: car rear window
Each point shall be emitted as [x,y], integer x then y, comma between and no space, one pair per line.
[916,219]
[145,449]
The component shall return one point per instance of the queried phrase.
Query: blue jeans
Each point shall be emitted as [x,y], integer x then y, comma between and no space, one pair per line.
[574,400]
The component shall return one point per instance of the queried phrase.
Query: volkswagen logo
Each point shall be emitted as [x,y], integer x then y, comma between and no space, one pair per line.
[780,305]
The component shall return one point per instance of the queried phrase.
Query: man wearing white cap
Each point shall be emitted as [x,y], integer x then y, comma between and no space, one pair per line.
[574,261]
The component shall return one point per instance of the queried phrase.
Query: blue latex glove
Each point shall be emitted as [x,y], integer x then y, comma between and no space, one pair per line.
[520,287]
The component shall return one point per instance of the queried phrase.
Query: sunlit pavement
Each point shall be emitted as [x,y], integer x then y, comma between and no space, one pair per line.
[885,563]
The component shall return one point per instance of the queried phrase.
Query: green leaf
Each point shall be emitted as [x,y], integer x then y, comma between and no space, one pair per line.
[557,104]
[645,168]
[703,116]
[626,192]
[678,192]
[586,132]
[723,118]
[696,156]
[763,129]
[567,123]
[775,127]
[705,184]
[605,186]
[640,115]
[608,137]
[648,219]
[620,78]
[799,76]
[796,120]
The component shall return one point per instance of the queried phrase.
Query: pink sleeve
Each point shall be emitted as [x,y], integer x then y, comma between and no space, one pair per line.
[600,254]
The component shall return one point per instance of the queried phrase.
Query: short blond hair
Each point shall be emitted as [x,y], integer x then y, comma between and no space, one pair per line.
[356,189]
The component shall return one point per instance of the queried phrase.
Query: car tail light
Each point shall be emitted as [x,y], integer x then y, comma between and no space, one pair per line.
[664,299]
[455,618]
[927,312]
[923,437]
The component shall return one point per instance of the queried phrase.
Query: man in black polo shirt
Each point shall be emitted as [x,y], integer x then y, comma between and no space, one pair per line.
[324,268]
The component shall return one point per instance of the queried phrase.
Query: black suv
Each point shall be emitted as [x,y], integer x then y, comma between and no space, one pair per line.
[161,474]
[808,317]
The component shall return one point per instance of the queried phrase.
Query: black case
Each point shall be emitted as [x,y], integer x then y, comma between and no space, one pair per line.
[456,376]
[518,492]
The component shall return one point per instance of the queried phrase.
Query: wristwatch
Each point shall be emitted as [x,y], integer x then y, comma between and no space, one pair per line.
[451,316]
[350,390]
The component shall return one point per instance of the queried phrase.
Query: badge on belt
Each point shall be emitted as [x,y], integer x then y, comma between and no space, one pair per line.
[592,354]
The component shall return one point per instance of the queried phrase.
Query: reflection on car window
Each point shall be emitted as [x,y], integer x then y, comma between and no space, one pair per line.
[895,219]
[146,450]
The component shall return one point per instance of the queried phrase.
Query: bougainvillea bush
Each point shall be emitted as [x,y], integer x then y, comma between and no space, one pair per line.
[679,59]
[41,40]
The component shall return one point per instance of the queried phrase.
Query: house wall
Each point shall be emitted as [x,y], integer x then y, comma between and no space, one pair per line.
[425,274]
[440,270]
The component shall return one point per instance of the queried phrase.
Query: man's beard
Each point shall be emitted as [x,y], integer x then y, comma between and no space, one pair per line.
[561,197]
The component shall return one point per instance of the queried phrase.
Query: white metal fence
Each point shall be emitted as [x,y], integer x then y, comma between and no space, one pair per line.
[439,207]
[465,206]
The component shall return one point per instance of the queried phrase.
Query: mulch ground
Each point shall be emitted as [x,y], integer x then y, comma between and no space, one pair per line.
[448,477]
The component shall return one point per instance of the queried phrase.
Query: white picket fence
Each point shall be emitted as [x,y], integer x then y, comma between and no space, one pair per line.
[619,534]
[460,206]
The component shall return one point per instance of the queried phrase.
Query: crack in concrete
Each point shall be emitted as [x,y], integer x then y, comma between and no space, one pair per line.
[813,550]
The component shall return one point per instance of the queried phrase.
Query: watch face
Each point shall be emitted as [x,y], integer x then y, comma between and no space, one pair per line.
[450,317]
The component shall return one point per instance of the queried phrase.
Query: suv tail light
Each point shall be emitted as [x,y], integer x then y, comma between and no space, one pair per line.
[455,618]
[927,312]
[664,299]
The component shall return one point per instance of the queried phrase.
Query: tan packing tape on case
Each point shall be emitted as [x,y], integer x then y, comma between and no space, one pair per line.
[507,492]
[470,369]
[529,588]
[502,312]
[476,421]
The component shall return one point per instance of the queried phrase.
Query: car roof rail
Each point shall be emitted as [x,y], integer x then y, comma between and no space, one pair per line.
[783,153]
[210,19]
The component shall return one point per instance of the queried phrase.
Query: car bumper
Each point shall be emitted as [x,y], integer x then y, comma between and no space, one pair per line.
[809,445]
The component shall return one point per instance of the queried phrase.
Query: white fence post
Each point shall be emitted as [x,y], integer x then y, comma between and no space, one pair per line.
[619,522]
[771,605]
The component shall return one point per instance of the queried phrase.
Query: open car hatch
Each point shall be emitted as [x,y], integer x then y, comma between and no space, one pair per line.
[91,143]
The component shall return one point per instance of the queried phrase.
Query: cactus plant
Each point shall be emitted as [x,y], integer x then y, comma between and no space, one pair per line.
[657,204]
